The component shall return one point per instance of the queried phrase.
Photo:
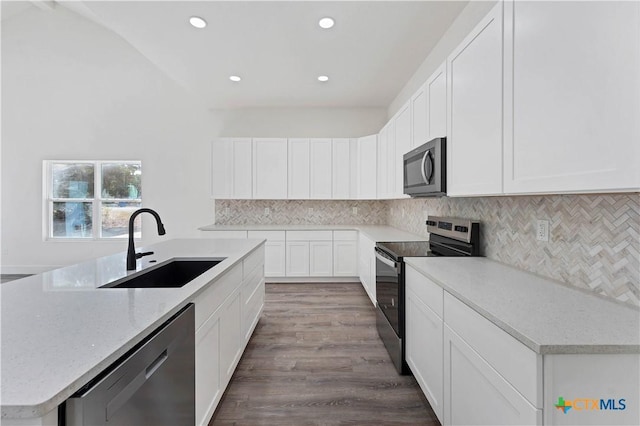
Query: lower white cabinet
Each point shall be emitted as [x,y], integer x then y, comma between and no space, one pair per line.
[309,253]
[476,394]
[226,315]
[345,258]
[297,258]
[274,260]
[367,266]
[320,258]
[424,336]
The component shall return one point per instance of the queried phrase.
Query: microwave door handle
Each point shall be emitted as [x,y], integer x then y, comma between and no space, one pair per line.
[426,178]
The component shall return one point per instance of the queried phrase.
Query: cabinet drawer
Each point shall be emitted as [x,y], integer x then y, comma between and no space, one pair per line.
[252,261]
[309,235]
[224,234]
[345,235]
[429,293]
[268,235]
[214,295]
[519,365]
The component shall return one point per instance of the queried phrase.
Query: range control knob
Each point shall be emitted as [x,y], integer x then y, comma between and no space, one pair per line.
[461,228]
[431,223]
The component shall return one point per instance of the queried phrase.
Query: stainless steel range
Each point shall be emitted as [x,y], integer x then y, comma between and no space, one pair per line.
[448,237]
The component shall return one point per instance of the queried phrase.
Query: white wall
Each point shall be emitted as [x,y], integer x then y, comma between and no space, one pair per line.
[302,122]
[73,90]
[461,27]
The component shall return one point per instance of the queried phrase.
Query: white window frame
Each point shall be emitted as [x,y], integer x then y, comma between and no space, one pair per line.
[96,201]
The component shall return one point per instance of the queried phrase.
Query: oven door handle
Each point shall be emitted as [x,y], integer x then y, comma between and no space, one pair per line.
[387,262]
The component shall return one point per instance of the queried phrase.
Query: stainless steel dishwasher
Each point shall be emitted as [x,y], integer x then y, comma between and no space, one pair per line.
[152,384]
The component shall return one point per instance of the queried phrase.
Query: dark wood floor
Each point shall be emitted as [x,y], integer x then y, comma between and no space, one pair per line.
[316,359]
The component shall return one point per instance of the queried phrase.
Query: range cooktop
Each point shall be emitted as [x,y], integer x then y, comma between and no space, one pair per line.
[399,249]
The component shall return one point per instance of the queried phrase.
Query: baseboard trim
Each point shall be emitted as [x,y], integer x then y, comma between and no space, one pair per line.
[304,280]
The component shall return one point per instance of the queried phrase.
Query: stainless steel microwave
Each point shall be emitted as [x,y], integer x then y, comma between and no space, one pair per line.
[425,169]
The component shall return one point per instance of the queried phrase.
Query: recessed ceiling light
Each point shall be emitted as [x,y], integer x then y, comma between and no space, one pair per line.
[197,22]
[326,22]
[323,78]
[235,78]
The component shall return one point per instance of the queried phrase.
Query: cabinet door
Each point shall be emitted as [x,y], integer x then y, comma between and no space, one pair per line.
[419,116]
[403,142]
[297,259]
[474,81]
[345,259]
[269,168]
[575,90]
[381,174]
[320,258]
[436,88]
[320,169]
[230,336]
[274,259]
[208,388]
[221,162]
[298,187]
[341,169]
[474,393]
[424,348]
[367,167]
[394,186]
[242,169]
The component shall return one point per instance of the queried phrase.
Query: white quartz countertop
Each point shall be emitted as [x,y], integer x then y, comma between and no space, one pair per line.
[548,317]
[59,330]
[374,232]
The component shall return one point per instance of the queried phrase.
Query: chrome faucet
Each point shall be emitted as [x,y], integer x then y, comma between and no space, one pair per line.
[131,251]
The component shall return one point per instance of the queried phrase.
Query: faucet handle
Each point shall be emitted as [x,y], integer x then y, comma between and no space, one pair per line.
[146,253]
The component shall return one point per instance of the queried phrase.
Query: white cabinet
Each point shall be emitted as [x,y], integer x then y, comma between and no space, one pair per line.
[269,168]
[298,169]
[436,89]
[342,168]
[230,336]
[231,168]
[394,165]
[419,116]
[424,336]
[367,266]
[320,169]
[381,174]
[403,142]
[345,253]
[297,258]
[474,83]
[320,258]
[367,167]
[208,387]
[274,258]
[572,96]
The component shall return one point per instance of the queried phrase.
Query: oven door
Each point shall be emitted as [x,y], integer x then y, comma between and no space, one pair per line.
[388,289]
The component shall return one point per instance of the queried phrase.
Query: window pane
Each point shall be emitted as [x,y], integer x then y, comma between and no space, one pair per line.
[72,180]
[72,220]
[115,220]
[121,181]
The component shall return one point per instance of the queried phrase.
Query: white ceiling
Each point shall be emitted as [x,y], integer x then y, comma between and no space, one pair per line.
[278,48]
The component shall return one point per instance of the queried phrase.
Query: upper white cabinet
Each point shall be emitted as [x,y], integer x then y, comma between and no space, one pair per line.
[269,168]
[367,167]
[343,167]
[572,96]
[231,168]
[394,187]
[436,89]
[383,163]
[403,142]
[320,168]
[474,82]
[419,116]
[298,165]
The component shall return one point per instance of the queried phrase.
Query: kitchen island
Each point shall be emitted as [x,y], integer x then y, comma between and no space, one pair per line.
[60,329]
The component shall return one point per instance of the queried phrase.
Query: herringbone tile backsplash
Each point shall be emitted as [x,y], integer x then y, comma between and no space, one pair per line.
[594,240]
[300,212]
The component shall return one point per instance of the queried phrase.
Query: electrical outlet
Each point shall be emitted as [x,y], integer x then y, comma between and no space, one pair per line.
[355,210]
[267,211]
[542,230]
[310,211]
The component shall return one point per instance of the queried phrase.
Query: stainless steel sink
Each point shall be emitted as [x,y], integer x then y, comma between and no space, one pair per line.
[174,273]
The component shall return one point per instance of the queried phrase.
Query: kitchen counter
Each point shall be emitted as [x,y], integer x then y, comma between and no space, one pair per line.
[547,317]
[59,330]
[374,232]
